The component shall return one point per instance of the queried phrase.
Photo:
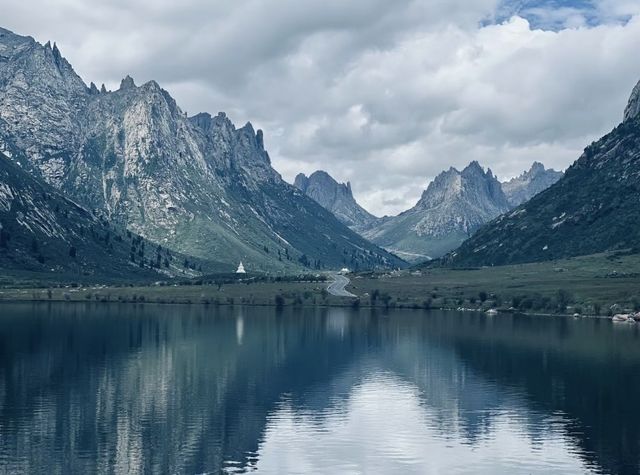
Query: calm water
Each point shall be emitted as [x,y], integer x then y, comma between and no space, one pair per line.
[149,389]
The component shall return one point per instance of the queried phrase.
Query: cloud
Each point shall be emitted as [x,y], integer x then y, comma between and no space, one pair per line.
[384,94]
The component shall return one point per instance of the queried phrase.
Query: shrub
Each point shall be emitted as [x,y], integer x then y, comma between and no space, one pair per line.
[515,302]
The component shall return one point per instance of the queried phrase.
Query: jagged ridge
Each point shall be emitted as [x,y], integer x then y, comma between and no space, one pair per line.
[197,185]
[452,207]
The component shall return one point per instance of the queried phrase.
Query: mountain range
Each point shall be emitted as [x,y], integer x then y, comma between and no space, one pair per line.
[595,207]
[454,205]
[116,184]
[196,185]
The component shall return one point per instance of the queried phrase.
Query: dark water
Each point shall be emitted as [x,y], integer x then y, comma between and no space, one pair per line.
[149,389]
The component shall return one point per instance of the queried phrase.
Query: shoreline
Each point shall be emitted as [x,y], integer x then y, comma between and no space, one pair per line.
[345,304]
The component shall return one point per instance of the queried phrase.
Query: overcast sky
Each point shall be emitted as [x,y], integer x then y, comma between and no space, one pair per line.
[384,93]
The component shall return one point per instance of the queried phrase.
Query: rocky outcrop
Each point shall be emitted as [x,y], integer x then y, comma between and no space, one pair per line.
[633,106]
[335,197]
[530,183]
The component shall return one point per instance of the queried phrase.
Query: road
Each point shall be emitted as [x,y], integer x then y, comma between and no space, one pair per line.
[337,287]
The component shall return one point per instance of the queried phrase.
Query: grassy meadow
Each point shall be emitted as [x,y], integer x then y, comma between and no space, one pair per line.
[592,285]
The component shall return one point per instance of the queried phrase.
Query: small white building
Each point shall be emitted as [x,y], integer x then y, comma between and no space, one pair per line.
[241,269]
[344,271]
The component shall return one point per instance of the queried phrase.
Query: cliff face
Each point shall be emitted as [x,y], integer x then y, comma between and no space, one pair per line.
[44,233]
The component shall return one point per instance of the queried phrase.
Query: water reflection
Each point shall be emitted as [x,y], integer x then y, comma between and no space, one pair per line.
[150,389]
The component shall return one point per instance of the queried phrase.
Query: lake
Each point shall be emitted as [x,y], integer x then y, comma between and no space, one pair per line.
[108,388]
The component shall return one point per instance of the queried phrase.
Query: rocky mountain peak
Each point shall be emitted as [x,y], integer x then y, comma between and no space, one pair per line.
[469,185]
[454,205]
[56,52]
[336,197]
[531,182]
[536,168]
[633,106]
[127,83]
[474,168]
[301,182]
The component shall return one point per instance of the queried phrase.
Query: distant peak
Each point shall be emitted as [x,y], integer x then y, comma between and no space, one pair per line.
[474,168]
[153,85]
[474,165]
[633,107]
[103,89]
[321,174]
[127,83]
[248,127]
[301,182]
[260,139]
[537,167]
[93,89]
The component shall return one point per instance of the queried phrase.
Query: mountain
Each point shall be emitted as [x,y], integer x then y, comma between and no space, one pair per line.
[197,185]
[530,183]
[335,197]
[595,207]
[454,205]
[43,233]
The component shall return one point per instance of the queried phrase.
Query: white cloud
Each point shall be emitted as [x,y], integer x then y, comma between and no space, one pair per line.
[384,94]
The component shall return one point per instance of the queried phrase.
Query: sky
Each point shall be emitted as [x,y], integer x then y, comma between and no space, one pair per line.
[384,94]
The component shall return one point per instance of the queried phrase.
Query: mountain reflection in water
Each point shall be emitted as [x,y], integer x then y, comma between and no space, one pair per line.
[167,389]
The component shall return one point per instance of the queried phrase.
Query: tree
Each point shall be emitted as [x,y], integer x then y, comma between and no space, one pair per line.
[564,299]
[72,252]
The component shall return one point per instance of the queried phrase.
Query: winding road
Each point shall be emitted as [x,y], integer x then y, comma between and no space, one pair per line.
[337,287]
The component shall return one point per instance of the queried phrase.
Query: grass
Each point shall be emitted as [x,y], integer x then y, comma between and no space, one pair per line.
[597,284]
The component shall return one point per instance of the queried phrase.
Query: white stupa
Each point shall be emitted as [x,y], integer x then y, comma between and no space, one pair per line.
[241,269]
